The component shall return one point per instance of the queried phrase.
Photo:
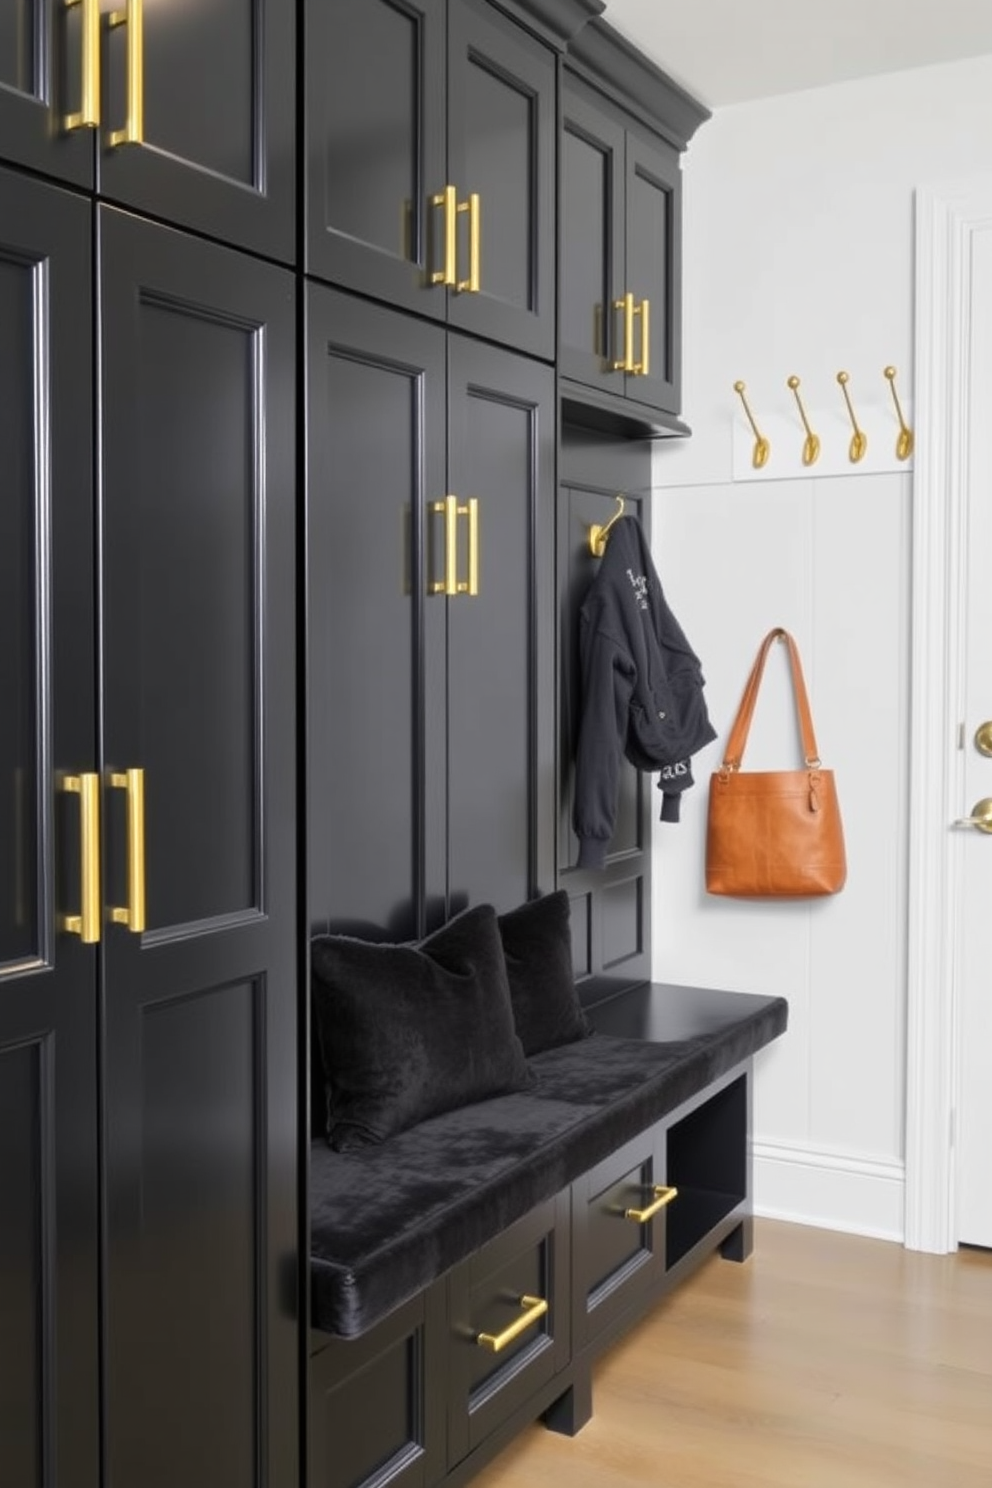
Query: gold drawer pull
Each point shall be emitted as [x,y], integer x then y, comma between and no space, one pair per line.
[473,207]
[87,923]
[495,1342]
[88,116]
[643,367]
[451,509]
[626,362]
[133,916]
[662,1196]
[133,17]
[447,200]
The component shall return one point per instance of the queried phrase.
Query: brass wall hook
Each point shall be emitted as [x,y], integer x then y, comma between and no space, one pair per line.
[904,443]
[859,439]
[762,448]
[811,444]
[598,533]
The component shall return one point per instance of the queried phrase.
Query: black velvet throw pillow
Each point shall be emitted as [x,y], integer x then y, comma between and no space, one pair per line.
[409,1031]
[537,942]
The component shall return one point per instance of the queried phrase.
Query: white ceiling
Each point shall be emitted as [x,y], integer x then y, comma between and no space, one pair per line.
[727,51]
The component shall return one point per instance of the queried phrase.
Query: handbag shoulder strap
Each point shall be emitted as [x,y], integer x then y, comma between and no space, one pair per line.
[737,742]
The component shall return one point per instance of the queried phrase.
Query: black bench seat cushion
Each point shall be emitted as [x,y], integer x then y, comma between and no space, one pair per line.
[389,1219]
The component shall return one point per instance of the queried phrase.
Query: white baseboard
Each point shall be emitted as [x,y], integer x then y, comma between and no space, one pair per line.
[831,1190]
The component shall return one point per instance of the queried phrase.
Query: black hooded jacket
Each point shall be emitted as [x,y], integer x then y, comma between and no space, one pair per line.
[642,691]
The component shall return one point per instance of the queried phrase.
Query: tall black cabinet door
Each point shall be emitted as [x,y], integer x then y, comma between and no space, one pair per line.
[48,1114]
[200,954]
[501,149]
[501,747]
[212,148]
[592,233]
[41,89]
[654,205]
[375,147]
[375,466]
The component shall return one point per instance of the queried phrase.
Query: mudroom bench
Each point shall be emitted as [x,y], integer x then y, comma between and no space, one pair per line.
[465,1273]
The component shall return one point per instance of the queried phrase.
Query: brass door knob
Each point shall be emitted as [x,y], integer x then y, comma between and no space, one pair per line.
[981,816]
[983,737]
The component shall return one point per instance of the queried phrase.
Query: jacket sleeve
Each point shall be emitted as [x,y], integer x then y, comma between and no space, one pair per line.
[607,684]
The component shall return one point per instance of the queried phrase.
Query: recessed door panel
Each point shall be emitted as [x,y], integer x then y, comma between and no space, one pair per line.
[500,708]
[501,148]
[41,83]
[376,413]
[24,1418]
[23,513]
[375,145]
[17,45]
[653,207]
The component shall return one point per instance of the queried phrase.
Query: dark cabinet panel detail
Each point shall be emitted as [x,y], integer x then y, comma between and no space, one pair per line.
[24,1260]
[40,85]
[22,514]
[17,45]
[654,269]
[591,238]
[500,755]
[375,141]
[376,460]
[215,149]
[624,929]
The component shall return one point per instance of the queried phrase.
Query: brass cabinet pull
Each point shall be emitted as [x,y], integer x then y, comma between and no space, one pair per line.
[133,17]
[981,816]
[662,1196]
[451,510]
[535,1307]
[88,116]
[643,367]
[448,201]
[626,362]
[133,781]
[87,923]
[473,207]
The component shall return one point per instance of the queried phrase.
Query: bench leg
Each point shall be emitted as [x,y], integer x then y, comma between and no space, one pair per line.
[570,1412]
[740,1242]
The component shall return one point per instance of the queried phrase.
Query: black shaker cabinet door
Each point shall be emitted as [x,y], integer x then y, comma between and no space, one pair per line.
[375,465]
[501,161]
[199,118]
[49,87]
[654,270]
[375,147]
[591,250]
[200,955]
[48,1017]
[501,749]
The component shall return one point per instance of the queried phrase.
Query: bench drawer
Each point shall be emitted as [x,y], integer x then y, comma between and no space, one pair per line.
[508,1331]
[618,1255]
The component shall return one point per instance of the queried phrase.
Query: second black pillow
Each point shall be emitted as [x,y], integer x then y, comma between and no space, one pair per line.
[537,942]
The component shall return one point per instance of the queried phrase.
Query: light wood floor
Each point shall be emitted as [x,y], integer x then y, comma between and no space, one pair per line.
[826,1361]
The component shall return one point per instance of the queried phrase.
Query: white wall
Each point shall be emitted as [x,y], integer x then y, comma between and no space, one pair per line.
[799,259]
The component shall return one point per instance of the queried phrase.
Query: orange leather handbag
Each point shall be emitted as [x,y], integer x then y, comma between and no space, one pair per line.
[774,834]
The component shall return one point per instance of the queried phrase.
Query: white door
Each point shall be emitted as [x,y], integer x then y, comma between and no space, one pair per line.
[974,927]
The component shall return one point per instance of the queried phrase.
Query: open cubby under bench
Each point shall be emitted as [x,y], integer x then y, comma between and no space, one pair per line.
[466,1273]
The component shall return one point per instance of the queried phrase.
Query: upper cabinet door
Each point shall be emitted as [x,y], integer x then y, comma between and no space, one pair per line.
[199,118]
[591,242]
[49,891]
[50,86]
[375,148]
[653,277]
[501,162]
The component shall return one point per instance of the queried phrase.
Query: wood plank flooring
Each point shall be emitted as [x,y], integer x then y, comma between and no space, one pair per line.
[826,1361]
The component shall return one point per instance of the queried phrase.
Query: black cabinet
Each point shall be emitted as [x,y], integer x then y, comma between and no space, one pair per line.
[148,932]
[48,977]
[620,329]
[431,661]
[48,105]
[430,163]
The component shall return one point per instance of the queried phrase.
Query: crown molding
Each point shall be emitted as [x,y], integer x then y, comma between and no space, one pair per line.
[611,63]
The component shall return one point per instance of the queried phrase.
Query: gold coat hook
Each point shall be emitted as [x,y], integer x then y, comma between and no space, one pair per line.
[811,444]
[859,439]
[762,448]
[904,443]
[598,534]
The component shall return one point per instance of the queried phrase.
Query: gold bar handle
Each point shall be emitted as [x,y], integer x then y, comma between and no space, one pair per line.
[495,1342]
[662,1196]
[134,916]
[626,362]
[88,116]
[449,509]
[473,207]
[643,367]
[133,17]
[447,200]
[471,510]
[87,923]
